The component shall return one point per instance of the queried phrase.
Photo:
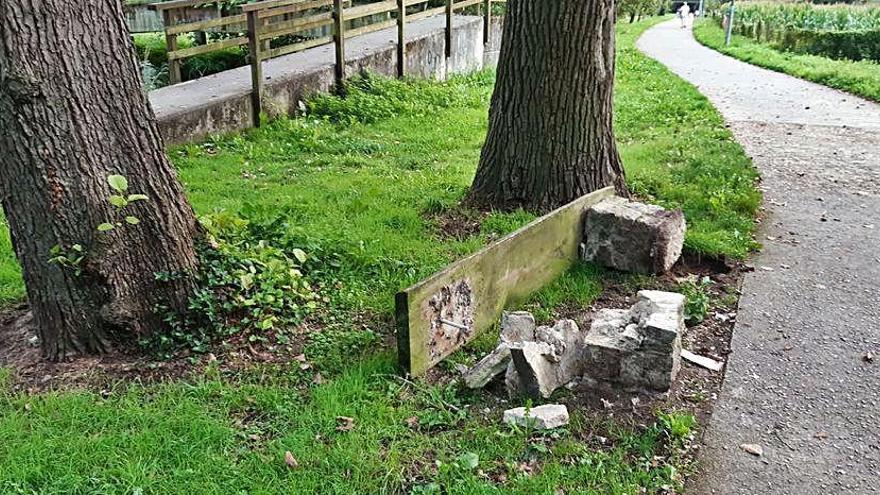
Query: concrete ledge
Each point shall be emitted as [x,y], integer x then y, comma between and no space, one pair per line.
[220,103]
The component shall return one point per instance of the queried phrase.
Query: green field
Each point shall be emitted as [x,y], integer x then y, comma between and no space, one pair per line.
[361,181]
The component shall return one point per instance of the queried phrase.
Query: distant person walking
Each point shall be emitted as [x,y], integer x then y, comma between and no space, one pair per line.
[684,14]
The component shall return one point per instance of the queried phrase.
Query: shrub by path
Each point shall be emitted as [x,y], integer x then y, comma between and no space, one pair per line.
[797,382]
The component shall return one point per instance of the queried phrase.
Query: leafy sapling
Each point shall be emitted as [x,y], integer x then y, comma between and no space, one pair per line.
[121,201]
[68,258]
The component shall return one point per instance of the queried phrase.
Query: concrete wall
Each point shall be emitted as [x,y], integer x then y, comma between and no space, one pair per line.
[221,103]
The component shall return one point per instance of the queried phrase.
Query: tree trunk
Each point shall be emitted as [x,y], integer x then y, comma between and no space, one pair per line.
[550,135]
[72,113]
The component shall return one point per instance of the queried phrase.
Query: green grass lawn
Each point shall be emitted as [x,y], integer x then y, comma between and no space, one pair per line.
[361,179]
[859,78]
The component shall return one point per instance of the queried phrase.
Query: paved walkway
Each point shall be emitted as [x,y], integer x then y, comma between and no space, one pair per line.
[796,382]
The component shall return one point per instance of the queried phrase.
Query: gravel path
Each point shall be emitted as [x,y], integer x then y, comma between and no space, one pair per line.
[797,383]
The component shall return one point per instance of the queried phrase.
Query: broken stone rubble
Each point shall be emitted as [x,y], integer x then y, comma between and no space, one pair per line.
[632,236]
[551,361]
[516,326]
[639,347]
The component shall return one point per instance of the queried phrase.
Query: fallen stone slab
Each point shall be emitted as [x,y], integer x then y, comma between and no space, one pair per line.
[535,369]
[488,368]
[516,326]
[634,237]
[544,417]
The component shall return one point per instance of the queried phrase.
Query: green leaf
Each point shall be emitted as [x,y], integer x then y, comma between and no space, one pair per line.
[300,255]
[118,201]
[118,182]
[77,247]
[104,227]
[137,197]
[132,220]
[469,460]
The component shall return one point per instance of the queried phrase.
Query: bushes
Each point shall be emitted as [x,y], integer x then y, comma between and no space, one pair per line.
[851,45]
[154,57]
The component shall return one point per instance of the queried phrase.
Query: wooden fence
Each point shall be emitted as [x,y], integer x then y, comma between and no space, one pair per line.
[273,28]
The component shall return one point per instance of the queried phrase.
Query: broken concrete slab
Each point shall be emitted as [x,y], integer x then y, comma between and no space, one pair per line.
[536,372]
[638,347]
[511,381]
[544,417]
[488,368]
[632,236]
[516,326]
[661,316]
[553,360]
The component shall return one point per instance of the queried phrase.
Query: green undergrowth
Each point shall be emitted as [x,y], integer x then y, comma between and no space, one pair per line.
[352,197]
[860,78]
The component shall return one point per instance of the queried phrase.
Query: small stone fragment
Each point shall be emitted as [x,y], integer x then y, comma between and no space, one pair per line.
[752,448]
[517,326]
[489,367]
[634,237]
[544,417]
[708,363]
[512,382]
[291,461]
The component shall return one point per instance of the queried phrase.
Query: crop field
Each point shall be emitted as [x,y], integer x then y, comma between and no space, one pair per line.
[836,31]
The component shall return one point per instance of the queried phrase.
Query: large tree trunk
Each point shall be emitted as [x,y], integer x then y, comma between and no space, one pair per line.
[550,123]
[72,113]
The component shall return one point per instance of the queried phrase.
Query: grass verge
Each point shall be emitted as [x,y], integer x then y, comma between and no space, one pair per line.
[359,183]
[860,78]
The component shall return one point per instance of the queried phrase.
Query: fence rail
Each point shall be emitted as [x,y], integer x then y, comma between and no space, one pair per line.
[296,25]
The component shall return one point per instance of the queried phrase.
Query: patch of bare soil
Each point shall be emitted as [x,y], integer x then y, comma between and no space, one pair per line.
[237,354]
[457,223]
[20,352]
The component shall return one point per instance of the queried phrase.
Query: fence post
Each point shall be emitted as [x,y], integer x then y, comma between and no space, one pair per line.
[256,66]
[729,23]
[401,41]
[339,40]
[487,21]
[448,28]
[169,17]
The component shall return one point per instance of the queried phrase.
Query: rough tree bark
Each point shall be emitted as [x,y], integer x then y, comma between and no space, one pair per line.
[550,135]
[72,113]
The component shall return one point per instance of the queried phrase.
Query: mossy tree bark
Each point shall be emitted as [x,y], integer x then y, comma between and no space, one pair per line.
[72,113]
[551,138]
